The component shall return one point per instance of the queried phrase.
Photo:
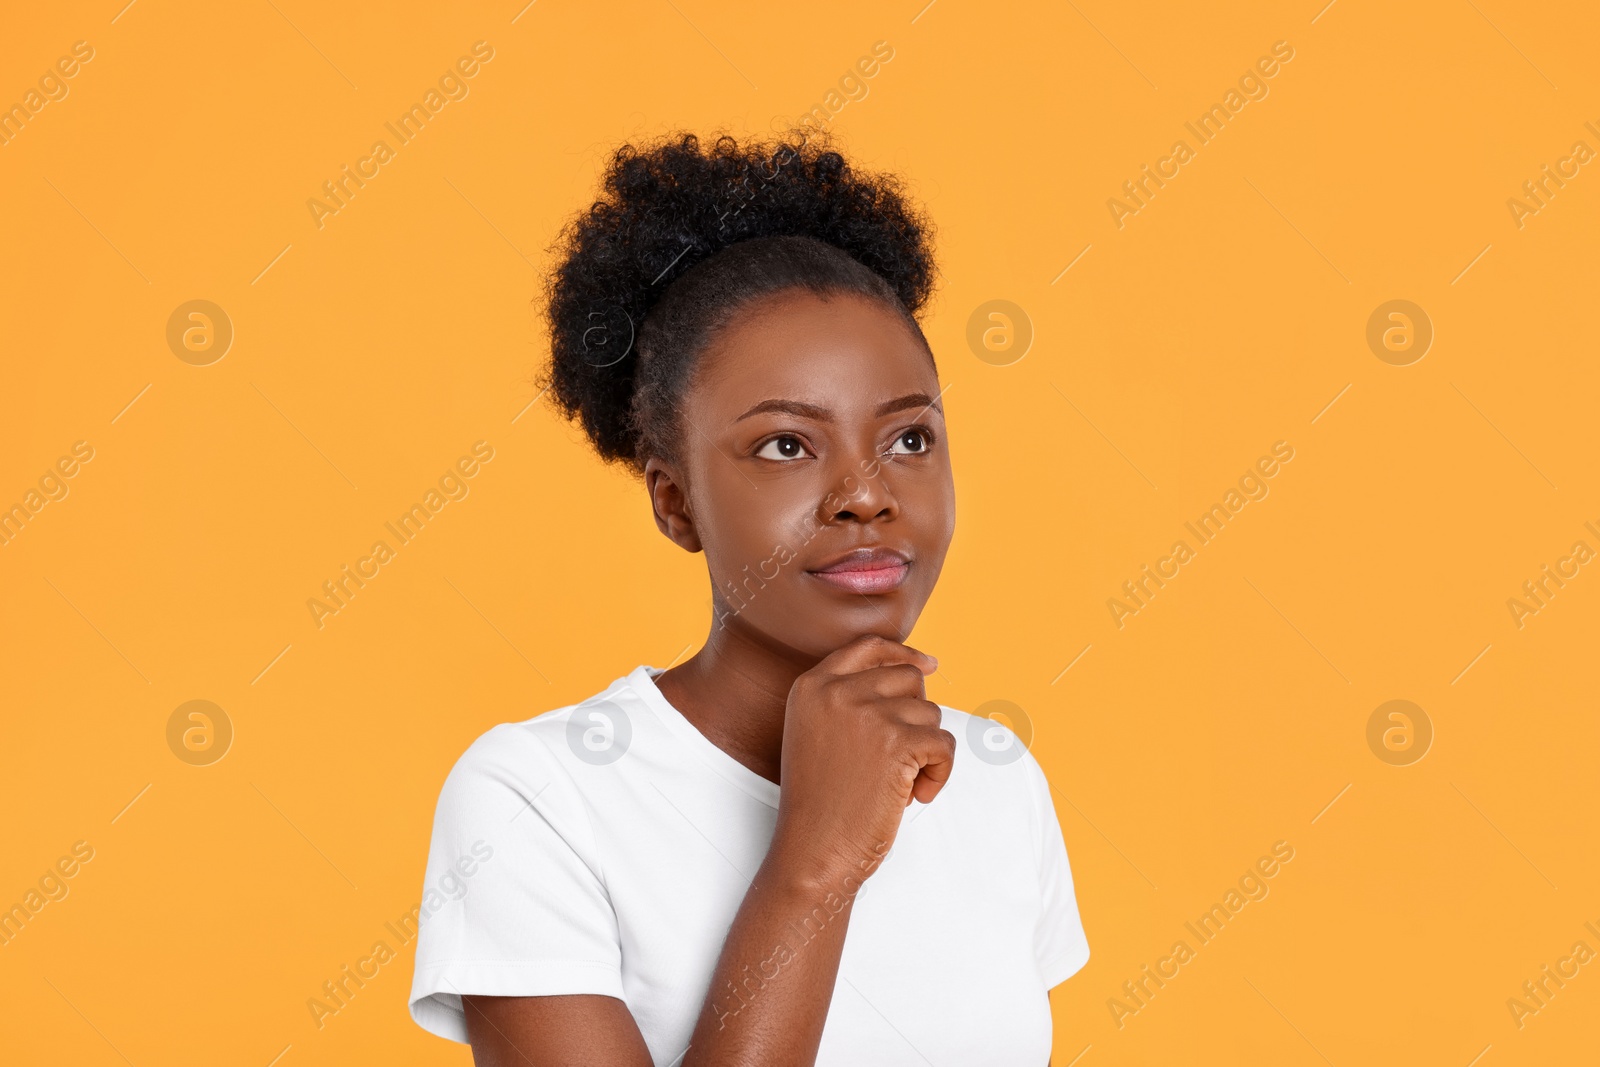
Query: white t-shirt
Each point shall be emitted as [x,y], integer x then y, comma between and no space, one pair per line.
[605,848]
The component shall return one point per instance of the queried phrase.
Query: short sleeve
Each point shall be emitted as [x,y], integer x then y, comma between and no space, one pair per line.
[1061,946]
[514,901]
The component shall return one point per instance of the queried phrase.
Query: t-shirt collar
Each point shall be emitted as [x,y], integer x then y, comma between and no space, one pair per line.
[642,681]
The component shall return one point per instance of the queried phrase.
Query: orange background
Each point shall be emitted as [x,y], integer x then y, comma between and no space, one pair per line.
[1229,313]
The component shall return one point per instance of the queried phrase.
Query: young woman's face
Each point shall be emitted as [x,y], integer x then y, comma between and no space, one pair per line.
[818,471]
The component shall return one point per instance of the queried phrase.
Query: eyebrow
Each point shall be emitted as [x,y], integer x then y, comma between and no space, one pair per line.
[821,414]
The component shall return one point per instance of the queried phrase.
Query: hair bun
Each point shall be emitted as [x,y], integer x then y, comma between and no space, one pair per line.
[672,204]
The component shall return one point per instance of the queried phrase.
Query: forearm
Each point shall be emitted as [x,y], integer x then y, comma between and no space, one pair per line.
[774,980]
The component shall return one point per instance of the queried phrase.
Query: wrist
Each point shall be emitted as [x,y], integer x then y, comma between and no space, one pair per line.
[792,872]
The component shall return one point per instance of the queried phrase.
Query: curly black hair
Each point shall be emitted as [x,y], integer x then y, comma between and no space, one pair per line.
[685,235]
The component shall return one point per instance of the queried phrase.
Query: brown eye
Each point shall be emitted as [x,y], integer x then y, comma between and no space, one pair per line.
[911,443]
[782,448]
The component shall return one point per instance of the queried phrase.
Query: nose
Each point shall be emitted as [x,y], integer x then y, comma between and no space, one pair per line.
[860,493]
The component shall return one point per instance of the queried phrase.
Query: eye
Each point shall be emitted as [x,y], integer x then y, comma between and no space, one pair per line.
[912,442]
[783,448]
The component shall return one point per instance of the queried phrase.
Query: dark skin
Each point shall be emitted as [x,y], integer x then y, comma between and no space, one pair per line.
[810,429]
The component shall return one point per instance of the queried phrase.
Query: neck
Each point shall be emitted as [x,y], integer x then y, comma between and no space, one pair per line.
[734,691]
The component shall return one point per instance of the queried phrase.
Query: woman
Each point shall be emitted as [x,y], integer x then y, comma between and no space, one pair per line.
[624,881]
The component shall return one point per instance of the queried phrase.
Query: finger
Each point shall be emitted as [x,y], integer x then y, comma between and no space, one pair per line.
[889,682]
[913,713]
[935,751]
[871,650]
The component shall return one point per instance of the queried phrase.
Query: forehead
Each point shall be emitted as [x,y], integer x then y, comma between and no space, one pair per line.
[842,351]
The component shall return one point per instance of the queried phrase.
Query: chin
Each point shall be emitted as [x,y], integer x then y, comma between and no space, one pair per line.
[893,621]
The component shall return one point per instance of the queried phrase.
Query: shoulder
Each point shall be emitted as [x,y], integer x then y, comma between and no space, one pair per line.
[992,759]
[997,801]
[512,752]
[523,758]
[992,744]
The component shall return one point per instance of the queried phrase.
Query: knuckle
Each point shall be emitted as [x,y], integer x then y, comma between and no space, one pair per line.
[899,678]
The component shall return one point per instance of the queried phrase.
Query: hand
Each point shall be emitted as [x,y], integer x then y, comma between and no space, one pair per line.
[860,739]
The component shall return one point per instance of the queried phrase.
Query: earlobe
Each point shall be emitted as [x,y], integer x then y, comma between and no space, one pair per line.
[670,505]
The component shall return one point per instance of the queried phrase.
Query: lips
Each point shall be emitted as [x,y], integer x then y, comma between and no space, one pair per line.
[866,570]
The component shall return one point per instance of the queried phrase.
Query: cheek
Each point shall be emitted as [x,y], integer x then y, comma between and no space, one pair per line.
[936,537]
[929,509]
[742,528]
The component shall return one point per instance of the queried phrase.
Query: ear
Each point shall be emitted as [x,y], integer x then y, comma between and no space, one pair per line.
[670,502]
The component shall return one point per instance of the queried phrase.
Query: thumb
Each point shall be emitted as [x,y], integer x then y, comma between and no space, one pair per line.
[935,752]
